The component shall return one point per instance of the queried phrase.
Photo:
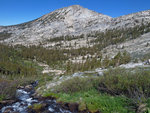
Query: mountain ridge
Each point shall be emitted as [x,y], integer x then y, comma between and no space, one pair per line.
[73,6]
[73,20]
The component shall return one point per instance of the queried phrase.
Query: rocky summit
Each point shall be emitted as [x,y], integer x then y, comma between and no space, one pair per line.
[73,20]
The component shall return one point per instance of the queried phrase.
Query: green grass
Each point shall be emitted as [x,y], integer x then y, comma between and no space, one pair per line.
[148,102]
[95,101]
[1,97]
[119,90]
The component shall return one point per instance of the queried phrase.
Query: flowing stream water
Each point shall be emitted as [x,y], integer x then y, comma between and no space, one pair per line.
[25,99]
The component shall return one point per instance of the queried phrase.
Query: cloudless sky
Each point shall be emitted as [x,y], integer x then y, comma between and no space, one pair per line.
[19,11]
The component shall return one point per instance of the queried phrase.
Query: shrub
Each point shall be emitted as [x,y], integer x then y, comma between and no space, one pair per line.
[7,89]
[132,84]
[76,84]
[37,106]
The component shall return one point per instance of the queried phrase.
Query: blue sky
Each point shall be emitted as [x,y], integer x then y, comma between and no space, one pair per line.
[18,11]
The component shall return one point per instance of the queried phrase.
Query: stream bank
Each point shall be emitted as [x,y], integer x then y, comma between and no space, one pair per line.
[27,102]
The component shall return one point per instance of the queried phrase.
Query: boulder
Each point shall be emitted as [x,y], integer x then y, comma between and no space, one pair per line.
[28,87]
[20,87]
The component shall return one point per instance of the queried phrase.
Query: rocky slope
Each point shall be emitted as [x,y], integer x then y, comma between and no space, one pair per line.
[137,47]
[72,20]
[131,20]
